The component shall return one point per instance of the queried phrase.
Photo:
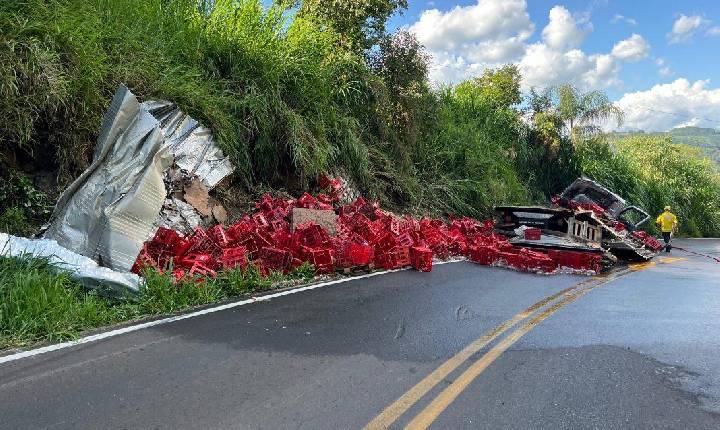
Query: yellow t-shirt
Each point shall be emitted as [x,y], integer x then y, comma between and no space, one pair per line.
[666,221]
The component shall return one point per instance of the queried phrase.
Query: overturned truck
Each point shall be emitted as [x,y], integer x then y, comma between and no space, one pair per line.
[586,217]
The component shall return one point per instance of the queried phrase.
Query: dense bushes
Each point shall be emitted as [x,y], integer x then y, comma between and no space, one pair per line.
[273,93]
[292,94]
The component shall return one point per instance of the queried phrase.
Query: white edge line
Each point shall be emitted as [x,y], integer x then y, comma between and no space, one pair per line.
[132,328]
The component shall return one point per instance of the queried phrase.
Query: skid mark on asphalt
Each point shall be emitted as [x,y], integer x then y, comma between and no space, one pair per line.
[533,315]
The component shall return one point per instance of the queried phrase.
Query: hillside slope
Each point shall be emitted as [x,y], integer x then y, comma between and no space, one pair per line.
[289,96]
[707,139]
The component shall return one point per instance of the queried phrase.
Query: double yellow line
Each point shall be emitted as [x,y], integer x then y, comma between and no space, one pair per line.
[533,315]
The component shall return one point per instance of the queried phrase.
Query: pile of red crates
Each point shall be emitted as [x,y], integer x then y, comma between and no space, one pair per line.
[366,237]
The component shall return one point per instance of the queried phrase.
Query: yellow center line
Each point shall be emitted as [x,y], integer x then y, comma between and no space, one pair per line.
[447,396]
[428,415]
[401,405]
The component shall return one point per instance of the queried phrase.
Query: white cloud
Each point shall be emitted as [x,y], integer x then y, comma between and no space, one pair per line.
[622,18]
[714,31]
[634,48]
[685,27]
[666,71]
[663,68]
[543,66]
[497,26]
[466,40]
[563,32]
[676,104]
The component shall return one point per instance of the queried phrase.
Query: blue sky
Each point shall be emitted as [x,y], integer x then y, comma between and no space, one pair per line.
[659,60]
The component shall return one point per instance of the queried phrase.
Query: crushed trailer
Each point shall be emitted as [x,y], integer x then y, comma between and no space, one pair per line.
[586,217]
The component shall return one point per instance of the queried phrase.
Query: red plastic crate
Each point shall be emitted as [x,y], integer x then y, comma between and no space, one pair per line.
[483,254]
[201,270]
[533,234]
[145,260]
[360,255]
[218,235]
[201,243]
[166,238]
[514,260]
[234,257]
[538,261]
[421,258]
[275,258]
[190,260]
[321,258]
[577,260]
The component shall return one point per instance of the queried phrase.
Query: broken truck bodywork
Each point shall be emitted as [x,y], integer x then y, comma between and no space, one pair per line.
[586,217]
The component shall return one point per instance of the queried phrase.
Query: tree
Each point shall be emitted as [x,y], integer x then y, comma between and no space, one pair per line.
[401,61]
[361,22]
[402,64]
[583,113]
[499,88]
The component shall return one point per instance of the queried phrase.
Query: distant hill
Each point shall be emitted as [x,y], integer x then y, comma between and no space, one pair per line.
[707,139]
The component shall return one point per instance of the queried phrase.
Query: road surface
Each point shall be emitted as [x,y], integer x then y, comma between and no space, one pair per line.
[461,347]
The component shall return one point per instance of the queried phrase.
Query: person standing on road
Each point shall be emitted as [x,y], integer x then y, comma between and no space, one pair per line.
[668,224]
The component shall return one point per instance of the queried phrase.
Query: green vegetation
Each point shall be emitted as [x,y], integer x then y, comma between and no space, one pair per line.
[21,205]
[311,86]
[706,139]
[38,303]
[287,98]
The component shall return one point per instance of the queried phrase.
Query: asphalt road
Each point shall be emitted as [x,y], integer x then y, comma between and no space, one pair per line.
[458,346]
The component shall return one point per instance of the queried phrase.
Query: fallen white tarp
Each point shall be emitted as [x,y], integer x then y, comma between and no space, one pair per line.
[83,269]
[112,208]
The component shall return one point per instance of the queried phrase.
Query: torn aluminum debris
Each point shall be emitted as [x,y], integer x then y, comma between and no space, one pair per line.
[112,208]
[81,268]
[192,144]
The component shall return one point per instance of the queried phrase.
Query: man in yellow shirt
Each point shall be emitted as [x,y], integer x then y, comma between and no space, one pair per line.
[668,224]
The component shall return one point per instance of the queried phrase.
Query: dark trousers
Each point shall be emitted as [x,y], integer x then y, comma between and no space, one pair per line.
[666,238]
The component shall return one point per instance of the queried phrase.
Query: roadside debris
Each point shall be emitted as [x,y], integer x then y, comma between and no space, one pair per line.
[80,268]
[151,177]
[586,218]
[115,205]
[283,234]
[326,219]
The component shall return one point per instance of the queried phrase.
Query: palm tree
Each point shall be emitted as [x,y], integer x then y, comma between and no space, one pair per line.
[584,113]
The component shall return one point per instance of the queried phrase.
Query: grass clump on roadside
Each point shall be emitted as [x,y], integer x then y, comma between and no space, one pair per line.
[37,303]
[41,304]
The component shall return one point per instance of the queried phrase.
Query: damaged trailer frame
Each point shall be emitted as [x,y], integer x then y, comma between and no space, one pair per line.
[585,217]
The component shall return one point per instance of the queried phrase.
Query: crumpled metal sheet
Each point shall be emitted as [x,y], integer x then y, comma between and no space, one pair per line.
[192,144]
[108,212]
[112,208]
[81,268]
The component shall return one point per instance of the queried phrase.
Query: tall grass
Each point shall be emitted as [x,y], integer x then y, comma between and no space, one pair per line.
[274,92]
[37,304]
